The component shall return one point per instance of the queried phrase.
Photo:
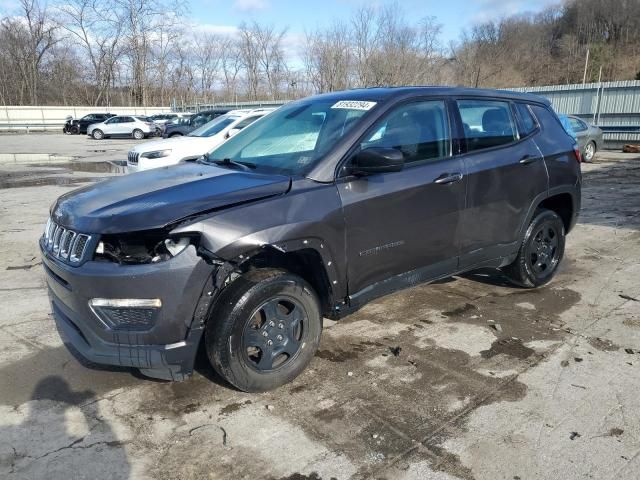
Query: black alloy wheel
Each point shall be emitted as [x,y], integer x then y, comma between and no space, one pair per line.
[541,251]
[273,334]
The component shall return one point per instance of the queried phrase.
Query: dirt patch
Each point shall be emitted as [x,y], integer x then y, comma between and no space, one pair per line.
[300,476]
[508,346]
[337,356]
[603,345]
[466,308]
[233,407]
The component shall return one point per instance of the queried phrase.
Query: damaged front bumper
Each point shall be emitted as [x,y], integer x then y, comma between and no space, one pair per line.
[89,304]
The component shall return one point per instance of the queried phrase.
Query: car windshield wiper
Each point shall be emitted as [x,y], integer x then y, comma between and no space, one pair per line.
[228,162]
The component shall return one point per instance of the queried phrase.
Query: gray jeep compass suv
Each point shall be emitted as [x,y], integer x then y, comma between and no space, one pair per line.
[310,212]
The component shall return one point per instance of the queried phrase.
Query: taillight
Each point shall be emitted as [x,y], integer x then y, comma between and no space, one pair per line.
[578,154]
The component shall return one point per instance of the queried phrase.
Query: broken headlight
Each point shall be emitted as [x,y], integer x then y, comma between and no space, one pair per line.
[142,247]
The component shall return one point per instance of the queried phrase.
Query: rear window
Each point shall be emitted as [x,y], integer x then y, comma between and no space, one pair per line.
[528,124]
[487,123]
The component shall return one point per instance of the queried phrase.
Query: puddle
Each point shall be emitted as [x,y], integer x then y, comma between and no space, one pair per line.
[60,173]
[114,166]
[34,157]
[47,181]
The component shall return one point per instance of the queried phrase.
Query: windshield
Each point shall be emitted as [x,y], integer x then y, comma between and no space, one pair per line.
[293,137]
[213,127]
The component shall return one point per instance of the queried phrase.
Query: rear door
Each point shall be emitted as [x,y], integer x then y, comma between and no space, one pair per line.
[505,174]
[400,221]
[125,126]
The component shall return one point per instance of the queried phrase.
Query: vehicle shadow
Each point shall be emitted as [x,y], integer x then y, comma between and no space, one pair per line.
[72,435]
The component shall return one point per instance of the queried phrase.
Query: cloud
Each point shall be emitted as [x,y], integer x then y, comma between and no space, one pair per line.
[493,9]
[250,5]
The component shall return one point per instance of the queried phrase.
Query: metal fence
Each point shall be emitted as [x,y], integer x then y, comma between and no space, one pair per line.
[613,106]
[198,107]
[26,119]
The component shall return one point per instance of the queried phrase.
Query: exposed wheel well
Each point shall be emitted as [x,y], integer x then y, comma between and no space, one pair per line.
[562,204]
[306,263]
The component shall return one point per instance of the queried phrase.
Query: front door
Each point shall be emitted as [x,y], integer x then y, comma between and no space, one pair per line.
[402,221]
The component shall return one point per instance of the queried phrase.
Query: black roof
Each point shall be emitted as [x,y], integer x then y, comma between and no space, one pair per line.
[384,93]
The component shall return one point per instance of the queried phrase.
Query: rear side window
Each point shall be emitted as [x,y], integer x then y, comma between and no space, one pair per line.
[487,123]
[419,130]
[577,125]
[528,124]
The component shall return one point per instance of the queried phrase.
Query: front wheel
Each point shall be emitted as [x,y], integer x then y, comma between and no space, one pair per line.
[541,251]
[97,134]
[265,330]
[138,134]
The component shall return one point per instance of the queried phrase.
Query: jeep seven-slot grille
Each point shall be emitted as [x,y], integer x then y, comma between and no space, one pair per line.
[133,157]
[65,244]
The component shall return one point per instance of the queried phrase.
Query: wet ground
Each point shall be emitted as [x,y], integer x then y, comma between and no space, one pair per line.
[466,378]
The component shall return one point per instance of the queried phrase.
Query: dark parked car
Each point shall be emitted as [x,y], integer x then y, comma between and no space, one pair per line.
[312,211]
[80,126]
[195,121]
[589,137]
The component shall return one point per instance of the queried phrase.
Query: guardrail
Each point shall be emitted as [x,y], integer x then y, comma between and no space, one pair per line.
[32,119]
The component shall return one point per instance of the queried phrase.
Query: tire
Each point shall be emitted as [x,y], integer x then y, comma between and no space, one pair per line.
[541,251]
[97,134]
[175,135]
[138,134]
[589,152]
[262,306]
[75,130]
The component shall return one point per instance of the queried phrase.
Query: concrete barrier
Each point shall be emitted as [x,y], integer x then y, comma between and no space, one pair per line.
[26,119]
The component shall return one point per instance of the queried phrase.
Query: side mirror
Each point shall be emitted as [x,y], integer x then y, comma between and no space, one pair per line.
[376,160]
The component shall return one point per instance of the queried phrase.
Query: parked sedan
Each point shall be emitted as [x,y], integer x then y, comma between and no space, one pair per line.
[170,151]
[589,137]
[123,126]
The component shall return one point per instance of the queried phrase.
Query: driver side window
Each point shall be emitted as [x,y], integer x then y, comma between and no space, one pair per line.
[419,130]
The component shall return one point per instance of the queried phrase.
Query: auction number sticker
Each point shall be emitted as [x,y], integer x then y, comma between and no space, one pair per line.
[354,105]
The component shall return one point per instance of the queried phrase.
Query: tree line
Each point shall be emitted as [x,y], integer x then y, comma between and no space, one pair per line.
[144,52]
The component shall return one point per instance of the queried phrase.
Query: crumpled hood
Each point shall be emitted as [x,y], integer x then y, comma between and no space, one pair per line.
[158,197]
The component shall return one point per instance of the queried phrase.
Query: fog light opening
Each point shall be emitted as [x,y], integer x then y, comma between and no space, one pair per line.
[131,314]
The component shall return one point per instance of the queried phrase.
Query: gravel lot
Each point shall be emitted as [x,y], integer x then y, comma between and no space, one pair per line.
[467,378]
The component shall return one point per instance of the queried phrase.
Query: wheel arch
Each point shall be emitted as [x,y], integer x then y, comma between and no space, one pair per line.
[565,201]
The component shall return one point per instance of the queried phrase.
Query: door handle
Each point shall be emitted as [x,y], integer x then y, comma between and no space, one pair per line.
[447,178]
[527,159]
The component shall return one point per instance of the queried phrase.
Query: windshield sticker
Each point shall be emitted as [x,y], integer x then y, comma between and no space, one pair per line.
[354,105]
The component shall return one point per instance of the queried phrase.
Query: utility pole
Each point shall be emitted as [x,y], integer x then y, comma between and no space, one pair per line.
[586,64]
[598,95]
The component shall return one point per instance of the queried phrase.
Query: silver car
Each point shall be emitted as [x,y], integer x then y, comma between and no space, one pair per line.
[122,126]
[589,137]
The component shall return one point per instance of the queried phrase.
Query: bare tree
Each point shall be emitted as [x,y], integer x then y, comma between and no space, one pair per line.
[30,37]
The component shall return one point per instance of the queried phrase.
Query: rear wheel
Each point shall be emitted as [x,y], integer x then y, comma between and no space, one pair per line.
[138,134]
[264,331]
[589,151]
[541,251]
[97,134]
